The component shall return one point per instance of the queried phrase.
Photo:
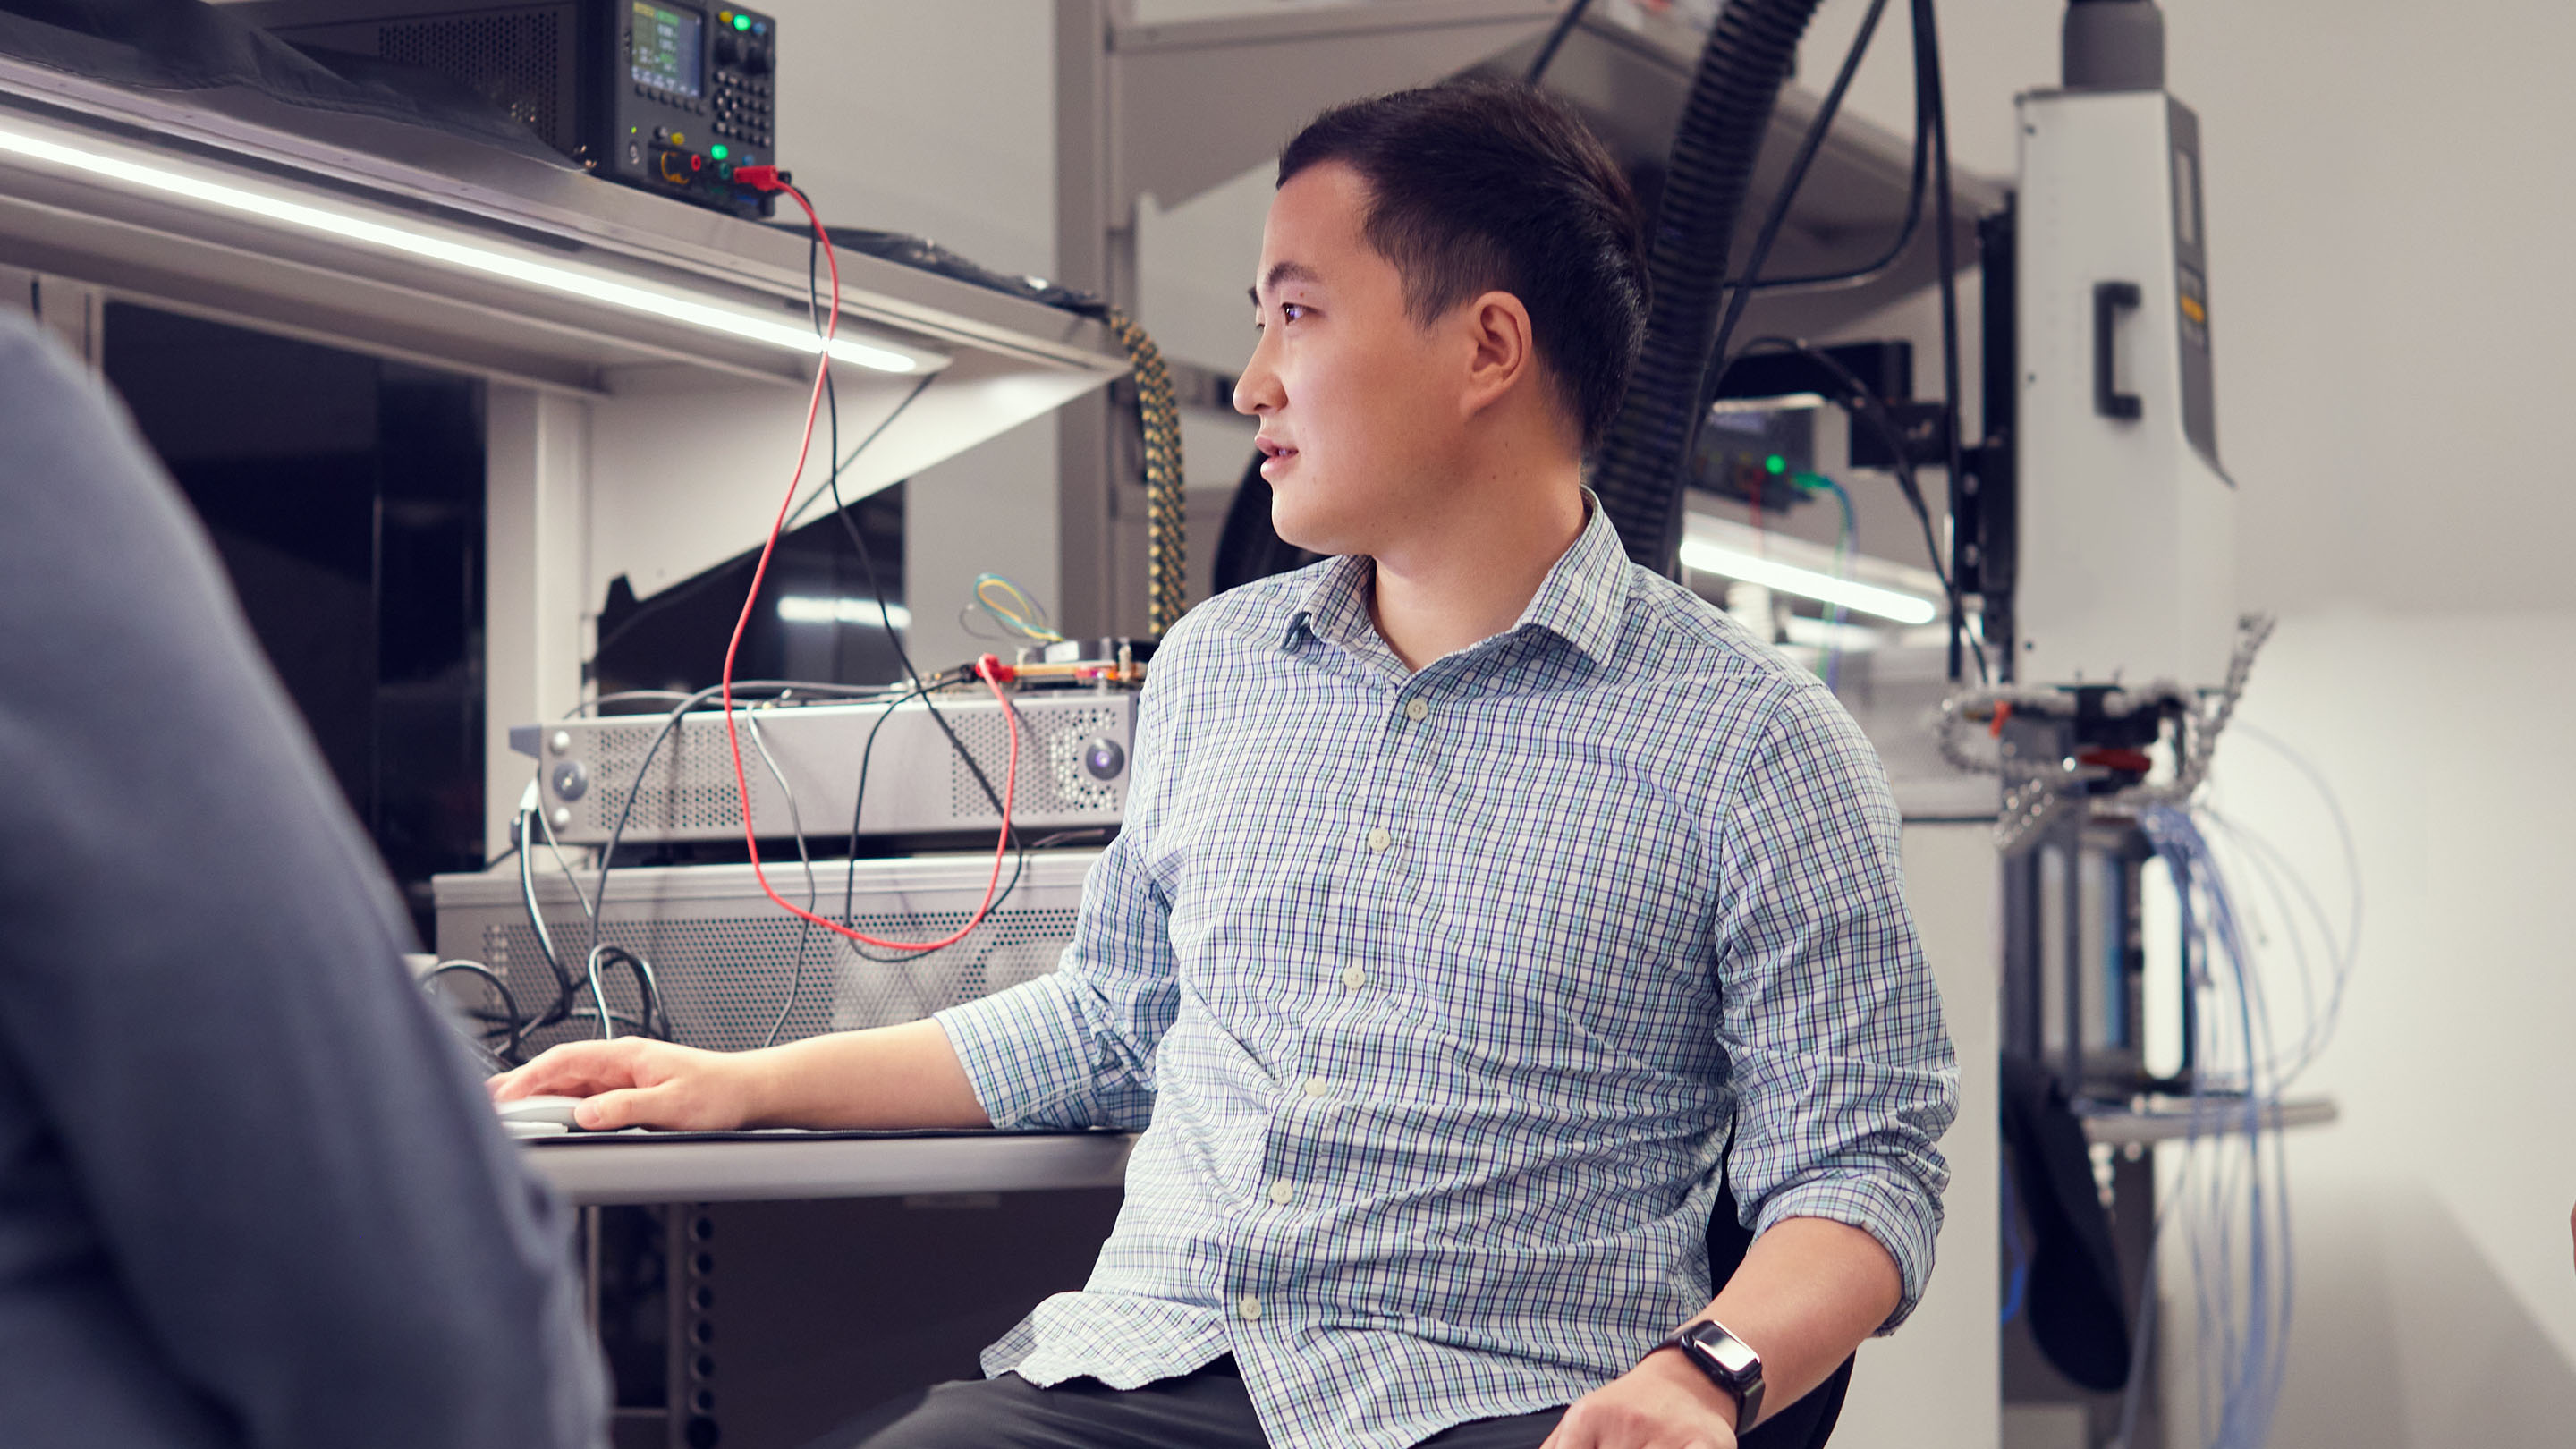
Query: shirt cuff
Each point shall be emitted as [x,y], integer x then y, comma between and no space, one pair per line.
[1900,1215]
[1029,1054]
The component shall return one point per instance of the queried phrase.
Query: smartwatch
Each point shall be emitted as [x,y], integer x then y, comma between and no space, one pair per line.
[1729,1362]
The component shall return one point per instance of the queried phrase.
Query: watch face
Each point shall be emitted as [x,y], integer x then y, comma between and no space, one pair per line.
[1728,1352]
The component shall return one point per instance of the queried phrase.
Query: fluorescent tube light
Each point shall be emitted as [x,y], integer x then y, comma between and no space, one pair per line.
[589,286]
[1806,583]
[812,609]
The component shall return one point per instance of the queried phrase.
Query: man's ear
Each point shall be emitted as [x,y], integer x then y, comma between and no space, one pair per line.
[1500,355]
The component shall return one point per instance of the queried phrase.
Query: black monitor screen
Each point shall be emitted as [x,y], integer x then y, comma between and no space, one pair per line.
[667,47]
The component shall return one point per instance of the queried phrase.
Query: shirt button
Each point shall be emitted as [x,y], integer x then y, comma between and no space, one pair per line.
[1416,710]
[1248,1305]
[1354,978]
[1281,1191]
[1378,839]
[1315,1087]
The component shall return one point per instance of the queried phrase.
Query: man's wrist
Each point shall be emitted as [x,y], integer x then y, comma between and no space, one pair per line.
[1674,1366]
[757,1087]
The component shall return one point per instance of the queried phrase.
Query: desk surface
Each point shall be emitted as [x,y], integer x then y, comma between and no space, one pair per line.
[639,1170]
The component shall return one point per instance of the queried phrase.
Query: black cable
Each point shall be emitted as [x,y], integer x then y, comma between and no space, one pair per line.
[1864,403]
[885,617]
[517,1020]
[1927,47]
[832,397]
[648,990]
[804,861]
[1777,217]
[565,989]
[1871,271]
[1638,470]
[635,788]
[1556,37]
[850,879]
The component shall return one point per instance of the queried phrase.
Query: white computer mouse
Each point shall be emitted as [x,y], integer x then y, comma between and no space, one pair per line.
[537,1116]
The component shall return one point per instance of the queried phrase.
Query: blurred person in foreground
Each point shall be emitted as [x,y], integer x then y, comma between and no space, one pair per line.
[250,1194]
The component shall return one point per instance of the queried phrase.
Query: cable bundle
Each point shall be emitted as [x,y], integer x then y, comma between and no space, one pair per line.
[1158,415]
[2232,1193]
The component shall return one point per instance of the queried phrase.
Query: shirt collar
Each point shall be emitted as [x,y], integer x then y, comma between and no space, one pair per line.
[1581,601]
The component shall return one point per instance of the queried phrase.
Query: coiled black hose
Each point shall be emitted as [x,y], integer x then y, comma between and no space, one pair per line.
[1638,471]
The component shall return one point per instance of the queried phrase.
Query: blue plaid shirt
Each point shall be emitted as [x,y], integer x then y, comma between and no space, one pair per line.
[1435,993]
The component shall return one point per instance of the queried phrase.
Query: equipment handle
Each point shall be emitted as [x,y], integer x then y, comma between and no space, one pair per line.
[2109,299]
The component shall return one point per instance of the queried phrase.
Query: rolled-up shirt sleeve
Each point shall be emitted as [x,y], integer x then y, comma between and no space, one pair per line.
[1843,1072]
[1075,1048]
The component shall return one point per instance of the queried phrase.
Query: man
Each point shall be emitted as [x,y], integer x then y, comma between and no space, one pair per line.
[249,1193]
[1471,882]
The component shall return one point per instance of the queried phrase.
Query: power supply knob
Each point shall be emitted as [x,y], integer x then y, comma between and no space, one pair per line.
[1103,760]
[755,58]
[728,49]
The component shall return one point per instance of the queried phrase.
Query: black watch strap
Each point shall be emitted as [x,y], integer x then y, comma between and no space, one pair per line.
[1729,1362]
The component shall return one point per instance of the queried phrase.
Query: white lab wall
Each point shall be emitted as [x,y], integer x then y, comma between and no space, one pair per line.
[2439,1306]
[2387,197]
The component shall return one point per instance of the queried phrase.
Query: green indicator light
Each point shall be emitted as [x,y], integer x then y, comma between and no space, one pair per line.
[742,22]
[718,150]
[1775,465]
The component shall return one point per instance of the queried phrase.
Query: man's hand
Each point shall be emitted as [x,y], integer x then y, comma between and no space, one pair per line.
[1662,1403]
[637,1082]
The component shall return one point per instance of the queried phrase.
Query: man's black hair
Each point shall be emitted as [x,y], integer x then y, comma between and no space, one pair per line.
[1490,185]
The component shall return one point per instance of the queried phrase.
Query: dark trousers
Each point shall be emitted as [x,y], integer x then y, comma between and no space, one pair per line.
[1209,1409]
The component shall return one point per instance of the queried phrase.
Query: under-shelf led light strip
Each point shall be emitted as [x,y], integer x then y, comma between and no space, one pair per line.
[1714,558]
[328,222]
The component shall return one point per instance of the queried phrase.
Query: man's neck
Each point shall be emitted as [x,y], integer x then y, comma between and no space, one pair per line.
[1434,596]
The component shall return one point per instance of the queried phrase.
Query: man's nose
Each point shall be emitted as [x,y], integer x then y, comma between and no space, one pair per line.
[1257,391]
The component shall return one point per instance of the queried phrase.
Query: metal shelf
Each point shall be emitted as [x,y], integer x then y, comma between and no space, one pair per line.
[1631,80]
[1202,100]
[165,248]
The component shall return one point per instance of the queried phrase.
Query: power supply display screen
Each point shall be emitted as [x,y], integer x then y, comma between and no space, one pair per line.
[667,47]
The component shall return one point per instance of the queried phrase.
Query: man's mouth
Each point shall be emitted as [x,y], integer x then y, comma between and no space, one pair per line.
[1275,456]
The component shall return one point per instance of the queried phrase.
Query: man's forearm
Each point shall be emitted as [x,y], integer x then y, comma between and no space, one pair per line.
[889,1076]
[1809,1292]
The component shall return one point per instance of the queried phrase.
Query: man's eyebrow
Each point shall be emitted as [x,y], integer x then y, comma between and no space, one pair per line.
[1281,272]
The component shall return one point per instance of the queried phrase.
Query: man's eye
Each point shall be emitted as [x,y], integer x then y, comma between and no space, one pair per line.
[1291,311]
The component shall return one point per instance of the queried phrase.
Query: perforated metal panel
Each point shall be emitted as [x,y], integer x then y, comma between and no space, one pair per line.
[918,782]
[691,790]
[516,59]
[726,959]
[1051,774]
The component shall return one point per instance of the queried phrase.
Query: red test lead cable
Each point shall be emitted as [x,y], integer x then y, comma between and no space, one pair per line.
[991,670]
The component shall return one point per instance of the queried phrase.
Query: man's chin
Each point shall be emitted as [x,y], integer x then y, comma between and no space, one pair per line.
[1307,528]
